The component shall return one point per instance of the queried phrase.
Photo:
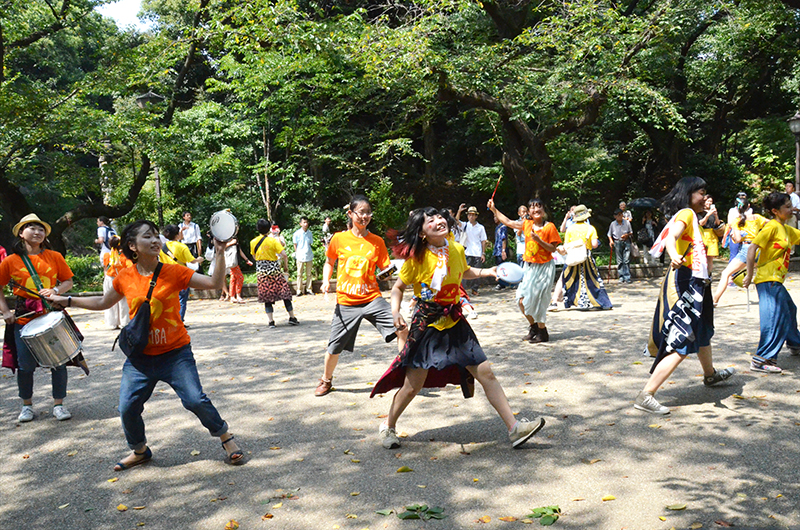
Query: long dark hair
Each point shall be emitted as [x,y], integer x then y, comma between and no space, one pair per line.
[411,244]
[129,236]
[678,198]
[19,245]
[742,206]
[774,201]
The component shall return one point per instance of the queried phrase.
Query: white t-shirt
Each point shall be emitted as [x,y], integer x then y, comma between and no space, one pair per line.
[104,233]
[473,241]
[795,200]
[191,234]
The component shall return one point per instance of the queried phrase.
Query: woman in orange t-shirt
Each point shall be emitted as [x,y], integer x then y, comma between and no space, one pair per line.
[168,355]
[533,293]
[117,316]
[56,278]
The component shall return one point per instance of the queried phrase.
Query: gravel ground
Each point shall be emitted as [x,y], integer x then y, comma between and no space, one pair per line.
[729,454]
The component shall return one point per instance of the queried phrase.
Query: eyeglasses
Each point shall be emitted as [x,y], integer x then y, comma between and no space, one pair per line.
[362,214]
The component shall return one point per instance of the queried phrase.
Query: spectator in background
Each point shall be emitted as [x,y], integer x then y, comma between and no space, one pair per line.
[302,240]
[475,243]
[522,213]
[626,214]
[569,219]
[275,232]
[190,235]
[326,233]
[500,248]
[175,252]
[647,235]
[232,253]
[104,234]
[791,192]
[619,238]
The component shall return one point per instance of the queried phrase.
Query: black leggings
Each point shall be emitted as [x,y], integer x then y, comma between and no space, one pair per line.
[286,303]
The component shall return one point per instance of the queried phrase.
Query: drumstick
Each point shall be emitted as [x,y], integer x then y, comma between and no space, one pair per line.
[27,315]
[496,184]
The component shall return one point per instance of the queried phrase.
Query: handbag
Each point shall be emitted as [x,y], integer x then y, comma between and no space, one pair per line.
[643,237]
[134,336]
[576,253]
[635,252]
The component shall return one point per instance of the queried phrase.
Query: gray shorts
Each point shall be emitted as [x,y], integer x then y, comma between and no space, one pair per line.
[347,319]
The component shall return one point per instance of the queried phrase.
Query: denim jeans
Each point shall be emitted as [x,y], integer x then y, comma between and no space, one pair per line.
[622,250]
[27,364]
[183,297]
[176,368]
[778,320]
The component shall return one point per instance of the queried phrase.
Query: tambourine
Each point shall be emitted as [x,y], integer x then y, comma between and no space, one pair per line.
[385,273]
[223,225]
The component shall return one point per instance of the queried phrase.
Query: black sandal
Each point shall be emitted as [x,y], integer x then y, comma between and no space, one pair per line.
[236,458]
[146,457]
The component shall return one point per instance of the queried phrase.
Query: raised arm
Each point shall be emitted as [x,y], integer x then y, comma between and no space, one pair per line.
[516,225]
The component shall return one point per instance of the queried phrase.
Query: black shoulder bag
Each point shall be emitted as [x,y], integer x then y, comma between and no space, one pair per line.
[133,338]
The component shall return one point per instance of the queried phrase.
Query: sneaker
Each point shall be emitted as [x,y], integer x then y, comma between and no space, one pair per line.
[793,350]
[389,439]
[323,387]
[764,365]
[718,376]
[647,402]
[523,430]
[271,325]
[293,321]
[26,414]
[61,413]
[472,315]
[541,336]
[552,307]
[498,287]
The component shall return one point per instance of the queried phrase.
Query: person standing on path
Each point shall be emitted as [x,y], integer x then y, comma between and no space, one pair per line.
[583,287]
[776,310]
[684,318]
[304,254]
[190,235]
[519,235]
[233,251]
[168,355]
[533,293]
[272,284]
[441,348]
[620,232]
[356,253]
[104,235]
[326,233]
[51,272]
[176,253]
[115,316]
[500,248]
[475,244]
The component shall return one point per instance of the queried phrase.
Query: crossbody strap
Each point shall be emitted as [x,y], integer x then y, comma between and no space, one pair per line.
[255,250]
[35,277]
[153,280]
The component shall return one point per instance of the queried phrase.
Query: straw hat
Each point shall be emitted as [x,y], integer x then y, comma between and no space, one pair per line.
[472,209]
[30,218]
[581,213]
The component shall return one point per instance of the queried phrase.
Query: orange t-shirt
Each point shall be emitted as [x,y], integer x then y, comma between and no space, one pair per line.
[534,253]
[167,331]
[358,257]
[115,261]
[50,266]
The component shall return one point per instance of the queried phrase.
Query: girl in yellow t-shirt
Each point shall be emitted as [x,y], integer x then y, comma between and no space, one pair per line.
[441,347]
[113,262]
[684,317]
[776,310]
[583,287]
[744,232]
[533,293]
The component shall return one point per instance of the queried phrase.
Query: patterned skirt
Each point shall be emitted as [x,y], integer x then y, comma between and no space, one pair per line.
[272,286]
[583,287]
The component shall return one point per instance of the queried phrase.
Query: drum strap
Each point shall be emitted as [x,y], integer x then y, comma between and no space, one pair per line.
[35,277]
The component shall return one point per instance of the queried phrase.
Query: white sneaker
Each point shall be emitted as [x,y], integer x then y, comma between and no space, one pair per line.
[61,413]
[523,430]
[389,439]
[472,315]
[648,403]
[26,414]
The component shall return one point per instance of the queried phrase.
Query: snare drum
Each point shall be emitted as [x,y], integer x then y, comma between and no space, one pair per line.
[51,340]
[223,225]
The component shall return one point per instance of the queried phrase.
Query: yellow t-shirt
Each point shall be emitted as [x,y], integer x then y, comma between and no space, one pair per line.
[581,231]
[268,250]
[752,227]
[686,216]
[415,273]
[357,258]
[776,241]
[181,252]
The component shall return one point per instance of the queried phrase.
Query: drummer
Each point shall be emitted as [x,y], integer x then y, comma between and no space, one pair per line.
[168,355]
[53,277]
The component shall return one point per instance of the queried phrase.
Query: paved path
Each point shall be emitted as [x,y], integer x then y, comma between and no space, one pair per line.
[729,453]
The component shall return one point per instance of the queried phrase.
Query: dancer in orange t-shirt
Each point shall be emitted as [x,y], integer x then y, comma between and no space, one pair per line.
[168,355]
[358,253]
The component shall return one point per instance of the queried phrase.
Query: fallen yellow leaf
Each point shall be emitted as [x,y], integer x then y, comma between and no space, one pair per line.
[609,498]
[122,508]
[508,519]
[355,493]
[139,507]
[351,516]
[195,452]
[232,525]
[484,519]
[113,479]
[277,506]
[676,507]
[695,526]
[663,518]
[355,460]
[63,506]
[404,469]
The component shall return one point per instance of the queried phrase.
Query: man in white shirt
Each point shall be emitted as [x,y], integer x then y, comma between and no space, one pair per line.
[190,235]
[790,191]
[475,243]
[104,233]
[302,240]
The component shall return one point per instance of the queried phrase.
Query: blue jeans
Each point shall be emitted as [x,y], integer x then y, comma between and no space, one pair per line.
[778,320]
[27,364]
[622,250]
[176,368]
[183,297]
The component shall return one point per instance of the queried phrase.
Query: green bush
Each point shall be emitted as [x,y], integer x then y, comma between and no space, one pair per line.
[88,272]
